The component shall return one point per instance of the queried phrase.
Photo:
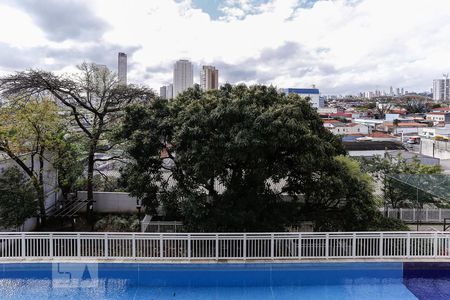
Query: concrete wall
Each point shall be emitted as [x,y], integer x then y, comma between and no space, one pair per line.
[438,149]
[111,202]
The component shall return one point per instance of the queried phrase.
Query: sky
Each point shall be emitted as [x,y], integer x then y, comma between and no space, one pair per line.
[341,46]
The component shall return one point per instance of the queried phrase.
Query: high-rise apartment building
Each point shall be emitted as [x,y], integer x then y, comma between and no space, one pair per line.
[163,92]
[209,78]
[183,76]
[166,91]
[169,91]
[441,89]
[122,68]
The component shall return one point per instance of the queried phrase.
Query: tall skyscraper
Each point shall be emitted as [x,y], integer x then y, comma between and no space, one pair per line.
[122,68]
[441,89]
[183,76]
[209,78]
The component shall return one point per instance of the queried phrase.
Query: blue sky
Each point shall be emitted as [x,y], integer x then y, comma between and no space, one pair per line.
[341,46]
[214,7]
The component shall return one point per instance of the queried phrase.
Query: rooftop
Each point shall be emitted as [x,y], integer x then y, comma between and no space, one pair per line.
[372,145]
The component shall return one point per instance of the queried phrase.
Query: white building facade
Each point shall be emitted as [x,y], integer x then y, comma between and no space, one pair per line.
[183,76]
[312,93]
[441,89]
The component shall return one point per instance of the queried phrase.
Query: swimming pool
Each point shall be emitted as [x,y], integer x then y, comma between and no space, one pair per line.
[225,281]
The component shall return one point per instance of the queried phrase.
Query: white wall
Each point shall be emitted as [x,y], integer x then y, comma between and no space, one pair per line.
[111,202]
[438,149]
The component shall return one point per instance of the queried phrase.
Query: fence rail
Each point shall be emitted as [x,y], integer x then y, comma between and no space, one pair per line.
[233,246]
[425,215]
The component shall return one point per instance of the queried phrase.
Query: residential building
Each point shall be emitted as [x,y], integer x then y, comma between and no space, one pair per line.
[183,76]
[163,92]
[340,128]
[166,91]
[441,110]
[438,117]
[311,93]
[122,68]
[407,127]
[169,91]
[209,78]
[441,89]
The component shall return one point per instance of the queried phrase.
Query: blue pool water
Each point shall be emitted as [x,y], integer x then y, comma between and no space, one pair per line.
[225,281]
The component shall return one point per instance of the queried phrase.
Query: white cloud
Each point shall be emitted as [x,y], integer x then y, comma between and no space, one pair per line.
[343,45]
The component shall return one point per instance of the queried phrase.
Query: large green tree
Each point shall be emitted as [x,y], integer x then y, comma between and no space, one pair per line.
[93,98]
[17,198]
[242,159]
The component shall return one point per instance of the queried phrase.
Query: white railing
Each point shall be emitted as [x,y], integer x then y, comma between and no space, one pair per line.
[225,246]
[425,215]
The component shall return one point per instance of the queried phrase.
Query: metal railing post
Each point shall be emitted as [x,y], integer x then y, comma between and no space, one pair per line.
[161,246]
[272,246]
[244,250]
[189,254]
[327,244]
[217,246]
[24,254]
[408,245]
[50,241]
[354,245]
[435,244]
[133,245]
[106,245]
[381,245]
[78,245]
[299,246]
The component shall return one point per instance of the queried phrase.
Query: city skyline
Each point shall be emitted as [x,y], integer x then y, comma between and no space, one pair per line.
[338,45]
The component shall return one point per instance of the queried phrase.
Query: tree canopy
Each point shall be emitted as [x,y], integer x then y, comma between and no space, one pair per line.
[242,159]
[93,98]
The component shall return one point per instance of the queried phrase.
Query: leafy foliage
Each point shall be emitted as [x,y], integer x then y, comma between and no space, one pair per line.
[395,193]
[242,159]
[17,198]
[94,98]
[117,223]
[28,130]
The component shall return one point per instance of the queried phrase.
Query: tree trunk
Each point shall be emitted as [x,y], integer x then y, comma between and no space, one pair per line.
[41,192]
[90,176]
